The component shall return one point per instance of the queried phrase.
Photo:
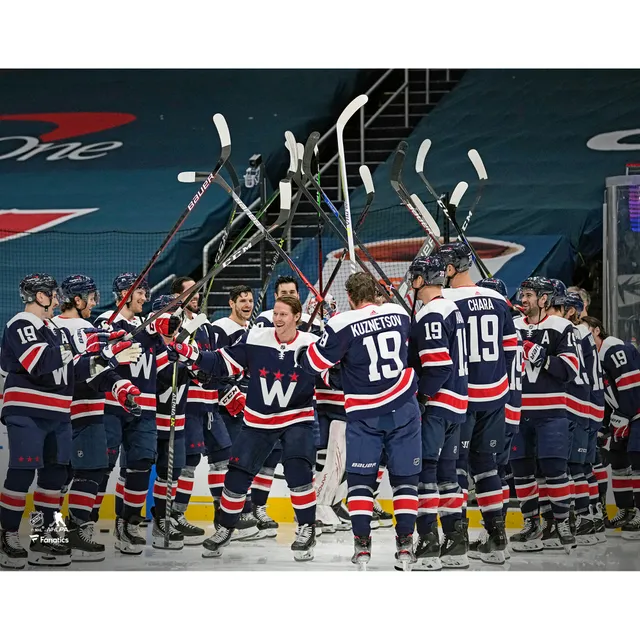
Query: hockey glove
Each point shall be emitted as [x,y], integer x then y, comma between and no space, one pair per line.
[125,393]
[423,399]
[66,353]
[126,352]
[619,427]
[188,353]
[234,401]
[167,325]
[299,354]
[534,353]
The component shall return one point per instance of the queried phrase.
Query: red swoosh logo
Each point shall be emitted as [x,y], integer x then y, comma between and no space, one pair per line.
[15,223]
[72,125]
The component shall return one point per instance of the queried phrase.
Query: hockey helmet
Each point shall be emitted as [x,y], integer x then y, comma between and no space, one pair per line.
[457,254]
[494,284]
[559,292]
[432,269]
[124,281]
[78,285]
[574,301]
[161,302]
[30,285]
[539,285]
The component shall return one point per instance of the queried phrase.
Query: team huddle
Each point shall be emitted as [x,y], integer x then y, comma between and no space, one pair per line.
[469,387]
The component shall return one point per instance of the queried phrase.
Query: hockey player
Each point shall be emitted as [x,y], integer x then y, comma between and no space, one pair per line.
[573,310]
[279,407]
[131,423]
[370,342]
[41,365]
[89,459]
[551,362]
[201,422]
[585,297]
[621,367]
[578,395]
[232,394]
[513,406]
[437,352]
[492,343]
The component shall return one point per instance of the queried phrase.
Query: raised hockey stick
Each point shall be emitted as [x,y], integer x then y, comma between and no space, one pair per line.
[295,166]
[478,165]
[270,239]
[449,212]
[183,299]
[351,109]
[225,144]
[306,167]
[170,455]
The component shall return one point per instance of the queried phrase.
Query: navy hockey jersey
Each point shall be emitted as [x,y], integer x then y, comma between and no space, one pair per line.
[491,344]
[621,366]
[141,373]
[371,345]
[87,406]
[38,384]
[594,375]
[203,398]
[579,388]
[164,394]
[512,410]
[438,353]
[329,400]
[279,393]
[544,388]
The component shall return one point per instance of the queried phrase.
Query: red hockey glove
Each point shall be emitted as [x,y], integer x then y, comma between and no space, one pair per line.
[125,392]
[534,353]
[234,401]
[619,427]
[167,324]
[184,352]
[97,340]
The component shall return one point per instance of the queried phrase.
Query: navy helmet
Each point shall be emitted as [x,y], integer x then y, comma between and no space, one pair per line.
[78,285]
[495,284]
[161,302]
[30,285]
[574,301]
[124,281]
[540,285]
[559,292]
[432,269]
[457,254]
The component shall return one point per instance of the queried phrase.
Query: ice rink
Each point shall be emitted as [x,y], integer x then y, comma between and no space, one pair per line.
[333,553]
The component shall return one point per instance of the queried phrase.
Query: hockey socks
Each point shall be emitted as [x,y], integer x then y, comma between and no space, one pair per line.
[488,487]
[136,485]
[46,497]
[185,487]
[261,485]
[405,503]
[360,503]
[83,493]
[13,498]
[622,485]
[102,490]
[450,493]
[428,497]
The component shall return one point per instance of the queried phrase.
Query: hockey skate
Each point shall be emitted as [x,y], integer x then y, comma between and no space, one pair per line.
[550,539]
[585,531]
[361,552]
[176,539]
[83,548]
[490,546]
[129,540]
[405,557]
[302,546]
[343,515]
[453,550]
[193,536]
[428,551]
[529,539]
[328,521]
[12,554]
[267,525]
[599,524]
[382,517]
[567,539]
[246,529]
[631,530]
[213,545]
[618,521]
[49,552]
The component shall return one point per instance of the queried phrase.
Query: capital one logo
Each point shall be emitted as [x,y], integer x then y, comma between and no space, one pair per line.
[66,127]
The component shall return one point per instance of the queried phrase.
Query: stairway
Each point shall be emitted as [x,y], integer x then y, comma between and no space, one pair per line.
[426,88]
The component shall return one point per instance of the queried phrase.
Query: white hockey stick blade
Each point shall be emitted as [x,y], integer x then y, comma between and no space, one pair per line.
[223,129]
[292,147]
[300,153]
[458,192]
[350,110]
[190,326]
[422,155]
[478,165]
[426,216]
[367,180]
[187,176]
[285,195]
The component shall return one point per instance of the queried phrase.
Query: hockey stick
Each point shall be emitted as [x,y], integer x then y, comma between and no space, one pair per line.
[294,167]
[449,212]
[170,455]
[235,181]
[365,174]
[183,299]
[270,239]
[478,165]
[225,143]
[350,110]
[320,225]
[306,167]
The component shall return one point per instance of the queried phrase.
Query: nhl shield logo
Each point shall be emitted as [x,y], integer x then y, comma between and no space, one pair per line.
[36,519]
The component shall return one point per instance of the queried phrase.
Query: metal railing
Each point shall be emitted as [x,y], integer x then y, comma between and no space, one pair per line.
[157,287]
